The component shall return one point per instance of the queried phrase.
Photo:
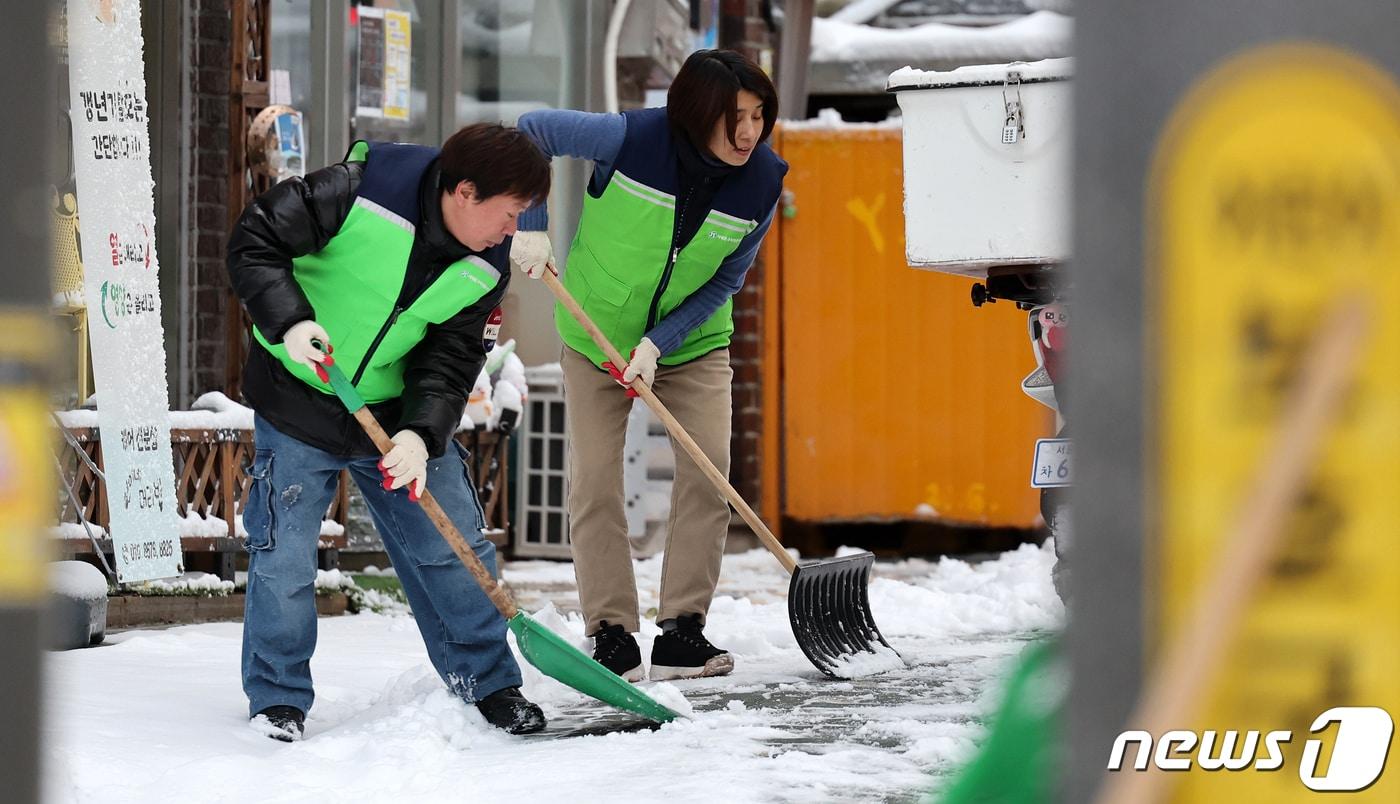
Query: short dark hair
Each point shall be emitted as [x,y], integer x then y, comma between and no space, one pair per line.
[707,87]
[497,159]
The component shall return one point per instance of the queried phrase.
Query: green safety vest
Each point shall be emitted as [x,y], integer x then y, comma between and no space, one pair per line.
[353,283]
[620,253]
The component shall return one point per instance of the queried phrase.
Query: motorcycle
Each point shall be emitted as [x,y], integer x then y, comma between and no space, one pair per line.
[1041,292]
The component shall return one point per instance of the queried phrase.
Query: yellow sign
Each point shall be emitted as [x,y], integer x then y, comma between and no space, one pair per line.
[1277,188]
[27,502]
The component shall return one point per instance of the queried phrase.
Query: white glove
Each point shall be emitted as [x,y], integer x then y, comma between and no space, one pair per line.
[298,342]
[642,363]
[406,463]
[533,253]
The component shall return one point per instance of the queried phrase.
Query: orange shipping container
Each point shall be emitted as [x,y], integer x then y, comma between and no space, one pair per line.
[896,398]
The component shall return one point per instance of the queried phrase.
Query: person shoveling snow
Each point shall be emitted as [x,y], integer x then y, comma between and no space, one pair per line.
[396,257]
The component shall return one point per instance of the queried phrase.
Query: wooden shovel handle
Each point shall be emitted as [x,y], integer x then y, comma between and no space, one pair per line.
[1188,663]
[444,524]
[672,426]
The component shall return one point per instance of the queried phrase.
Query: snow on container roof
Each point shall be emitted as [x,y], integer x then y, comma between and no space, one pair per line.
[846,56]
[981,75]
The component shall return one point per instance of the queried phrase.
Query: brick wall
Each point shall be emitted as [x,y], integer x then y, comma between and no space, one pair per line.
[742,28]
[210,63]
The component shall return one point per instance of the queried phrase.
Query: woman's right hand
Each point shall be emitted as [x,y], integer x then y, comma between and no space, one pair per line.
[533,253]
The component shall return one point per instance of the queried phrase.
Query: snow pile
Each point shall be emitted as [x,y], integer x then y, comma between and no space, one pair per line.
[377,601]
[956,598]
[830,119]
[193,525]
[505,397]
[513,372]
[75,530]
[860,665]
[670,696]
[981,74]
[78,580]
[490,397]
[198,584]
[385,727]
[213,411]
[77,419]
[851,58]
[1041,35]
[333,580]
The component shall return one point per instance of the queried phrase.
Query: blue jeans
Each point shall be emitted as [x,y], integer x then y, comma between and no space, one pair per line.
[292,487]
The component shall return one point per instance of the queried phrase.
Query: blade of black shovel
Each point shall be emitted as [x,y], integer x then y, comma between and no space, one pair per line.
[829,607]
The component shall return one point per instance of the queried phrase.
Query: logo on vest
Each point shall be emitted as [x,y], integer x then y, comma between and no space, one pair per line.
[717,236]
[492,332]
[474,278]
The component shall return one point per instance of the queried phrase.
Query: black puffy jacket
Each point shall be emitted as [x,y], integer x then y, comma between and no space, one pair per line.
[300,216]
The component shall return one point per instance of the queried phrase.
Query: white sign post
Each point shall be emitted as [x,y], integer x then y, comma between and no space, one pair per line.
[111,159]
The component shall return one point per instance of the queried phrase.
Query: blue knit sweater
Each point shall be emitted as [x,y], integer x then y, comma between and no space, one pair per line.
[599,137]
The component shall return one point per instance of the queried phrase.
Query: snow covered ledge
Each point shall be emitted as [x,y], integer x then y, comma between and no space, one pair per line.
[212,444]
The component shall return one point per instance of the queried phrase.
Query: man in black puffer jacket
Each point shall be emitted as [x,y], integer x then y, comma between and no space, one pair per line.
[394,260]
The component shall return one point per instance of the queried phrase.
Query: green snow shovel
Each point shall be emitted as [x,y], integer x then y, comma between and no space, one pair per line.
[828,598]
[540,646]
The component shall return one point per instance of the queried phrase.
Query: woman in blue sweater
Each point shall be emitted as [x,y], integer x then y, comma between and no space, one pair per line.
[678,203]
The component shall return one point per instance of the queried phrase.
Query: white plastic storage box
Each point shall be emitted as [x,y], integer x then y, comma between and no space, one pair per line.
[986,165]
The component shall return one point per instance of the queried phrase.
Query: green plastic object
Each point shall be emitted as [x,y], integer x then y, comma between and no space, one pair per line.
[349,397]
[343,389]
[559,660]
[540,646]
[1017,763]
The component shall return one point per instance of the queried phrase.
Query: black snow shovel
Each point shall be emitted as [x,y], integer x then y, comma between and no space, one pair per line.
[540,646]
[828,599]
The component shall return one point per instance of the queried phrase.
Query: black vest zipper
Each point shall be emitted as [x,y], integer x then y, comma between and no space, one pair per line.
[671,261]
[661,288]
[384,330]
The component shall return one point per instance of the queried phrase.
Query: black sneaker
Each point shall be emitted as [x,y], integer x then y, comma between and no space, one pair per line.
[684,652]
[617,650]
[508,710]
[282,723]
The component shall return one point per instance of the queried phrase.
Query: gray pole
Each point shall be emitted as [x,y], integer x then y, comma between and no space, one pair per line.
[1135,62]
[24,293]
[794,56]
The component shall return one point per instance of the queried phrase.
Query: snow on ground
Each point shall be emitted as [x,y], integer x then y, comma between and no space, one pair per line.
[159,715]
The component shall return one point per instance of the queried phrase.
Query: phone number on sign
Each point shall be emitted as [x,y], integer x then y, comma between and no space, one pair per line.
[148,550]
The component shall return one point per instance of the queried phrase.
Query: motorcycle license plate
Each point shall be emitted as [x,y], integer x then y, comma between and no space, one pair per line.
[1054,463]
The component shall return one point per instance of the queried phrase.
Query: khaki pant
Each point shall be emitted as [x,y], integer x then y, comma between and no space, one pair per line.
[698,395]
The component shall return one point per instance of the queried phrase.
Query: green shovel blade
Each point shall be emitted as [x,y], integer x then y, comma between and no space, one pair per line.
[540,646]
[558,659]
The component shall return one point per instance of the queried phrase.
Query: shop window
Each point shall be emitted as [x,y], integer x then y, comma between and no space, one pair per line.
[514,56]
[387,97]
